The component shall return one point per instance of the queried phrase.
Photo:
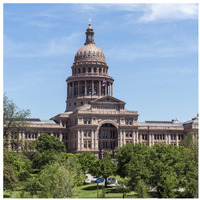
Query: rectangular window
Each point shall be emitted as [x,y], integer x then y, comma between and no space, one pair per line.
[85,144]
[89,134]
[85,134]
[89,144]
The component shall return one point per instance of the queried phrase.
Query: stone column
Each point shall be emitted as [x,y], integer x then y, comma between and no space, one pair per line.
[137,139]
[92,93]
[166,139]
[133,136]
[72,89]
[124,141]
[78,139]
[96,140]
[177,144]
[99,92]
[111,89]
[92,138]
[169,138]
[149,137]
[82,144]
[140,138]
[119,144]
[60,136]
[85,88]
[67,90]
[106,89]
[152,136]
[78,89]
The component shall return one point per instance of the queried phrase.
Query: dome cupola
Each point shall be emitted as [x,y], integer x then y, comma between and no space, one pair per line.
[89,52]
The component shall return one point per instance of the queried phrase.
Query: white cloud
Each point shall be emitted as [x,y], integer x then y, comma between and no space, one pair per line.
[155,12]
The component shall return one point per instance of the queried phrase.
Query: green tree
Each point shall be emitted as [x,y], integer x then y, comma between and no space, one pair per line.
[32,185]
[86,160]
[133,162]
[10,180]
[14,121]
[141,189]
[47,142]
[124,155]
[40,159]
[191,142]
[103,168]
[21,165]
[49,149]
[189,174]
[167,169]
[59,179]
[123,186]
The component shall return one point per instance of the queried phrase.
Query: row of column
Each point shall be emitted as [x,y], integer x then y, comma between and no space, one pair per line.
[87,88]
[94,140]
[167,139]
[136,138]
[22,135]
[122,137]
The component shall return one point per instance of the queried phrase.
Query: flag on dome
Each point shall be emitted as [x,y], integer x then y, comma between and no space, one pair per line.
[104,83]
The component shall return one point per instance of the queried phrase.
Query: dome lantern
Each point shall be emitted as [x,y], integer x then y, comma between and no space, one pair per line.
[89,34]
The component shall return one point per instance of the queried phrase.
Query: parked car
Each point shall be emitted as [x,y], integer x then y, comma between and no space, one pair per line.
[93,179]
[100,180]
[111,180]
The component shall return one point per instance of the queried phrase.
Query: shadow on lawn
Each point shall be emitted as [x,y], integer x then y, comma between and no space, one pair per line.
[112,190]
[94,187]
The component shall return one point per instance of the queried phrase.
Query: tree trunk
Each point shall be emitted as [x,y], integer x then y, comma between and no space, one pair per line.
[105,182]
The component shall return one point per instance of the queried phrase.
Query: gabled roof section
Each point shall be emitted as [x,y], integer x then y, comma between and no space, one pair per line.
[107,100]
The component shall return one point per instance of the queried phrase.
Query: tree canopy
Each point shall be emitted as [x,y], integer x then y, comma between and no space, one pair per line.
[103,168]
[47,142]
[164,167]
[14,120]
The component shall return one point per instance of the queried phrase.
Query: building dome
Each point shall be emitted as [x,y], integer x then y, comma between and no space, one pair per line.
[89,52]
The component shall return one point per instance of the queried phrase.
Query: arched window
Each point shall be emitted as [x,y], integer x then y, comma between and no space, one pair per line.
[79,71]
[84,70]
[89,69]
[95,70]
[99,70]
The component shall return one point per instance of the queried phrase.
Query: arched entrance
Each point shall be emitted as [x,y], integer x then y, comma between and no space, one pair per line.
[108,138]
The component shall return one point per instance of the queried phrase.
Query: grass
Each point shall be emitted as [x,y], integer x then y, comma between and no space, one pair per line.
[90,191]
[84,191]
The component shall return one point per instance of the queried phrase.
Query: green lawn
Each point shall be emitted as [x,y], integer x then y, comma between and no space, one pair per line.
[90,191]
[84,191]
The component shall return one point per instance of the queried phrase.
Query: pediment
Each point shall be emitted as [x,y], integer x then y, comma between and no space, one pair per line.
[107,99]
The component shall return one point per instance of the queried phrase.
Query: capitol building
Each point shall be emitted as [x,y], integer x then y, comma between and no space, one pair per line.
[94,120]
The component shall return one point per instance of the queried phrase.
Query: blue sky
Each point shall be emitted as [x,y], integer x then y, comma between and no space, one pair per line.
[151,51]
